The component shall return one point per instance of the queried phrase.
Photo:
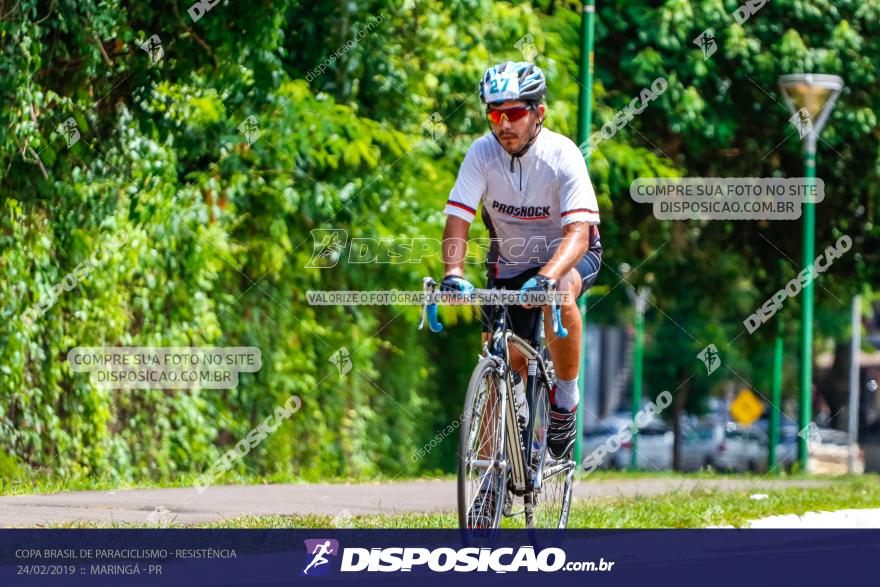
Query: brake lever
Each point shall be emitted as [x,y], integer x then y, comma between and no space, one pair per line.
[555,310]
[429,286]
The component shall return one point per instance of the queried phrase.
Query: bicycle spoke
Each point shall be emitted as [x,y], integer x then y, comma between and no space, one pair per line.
[481,483]
[551,501]
[549,504]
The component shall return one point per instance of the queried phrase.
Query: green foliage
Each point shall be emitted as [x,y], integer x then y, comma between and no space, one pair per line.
[215,229]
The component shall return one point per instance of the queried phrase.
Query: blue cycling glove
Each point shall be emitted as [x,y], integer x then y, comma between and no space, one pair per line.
[538,283]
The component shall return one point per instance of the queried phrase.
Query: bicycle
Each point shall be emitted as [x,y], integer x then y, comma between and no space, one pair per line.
[499,452]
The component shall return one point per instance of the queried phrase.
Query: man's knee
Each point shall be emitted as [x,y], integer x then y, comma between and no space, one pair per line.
[571,284]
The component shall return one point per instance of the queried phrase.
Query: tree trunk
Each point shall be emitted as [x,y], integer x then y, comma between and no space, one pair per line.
[678,405]
[832,383]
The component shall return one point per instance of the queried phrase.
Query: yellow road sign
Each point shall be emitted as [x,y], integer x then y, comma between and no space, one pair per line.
[746,408]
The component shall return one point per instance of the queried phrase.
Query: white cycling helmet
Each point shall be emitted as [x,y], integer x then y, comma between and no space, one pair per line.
[511,80]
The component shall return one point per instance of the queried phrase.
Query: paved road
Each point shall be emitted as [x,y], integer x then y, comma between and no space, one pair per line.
[187,506]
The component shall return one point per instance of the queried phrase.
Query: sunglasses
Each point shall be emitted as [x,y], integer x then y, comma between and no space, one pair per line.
[511,114]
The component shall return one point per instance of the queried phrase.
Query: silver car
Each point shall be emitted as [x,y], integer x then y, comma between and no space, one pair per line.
[741,449]
[594,437]
[654,451]
[699,444]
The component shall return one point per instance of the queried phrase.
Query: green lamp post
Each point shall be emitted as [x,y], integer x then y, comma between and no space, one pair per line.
[585,119]
[810,97]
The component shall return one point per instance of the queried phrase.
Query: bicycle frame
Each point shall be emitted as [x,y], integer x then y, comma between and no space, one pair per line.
[518,443]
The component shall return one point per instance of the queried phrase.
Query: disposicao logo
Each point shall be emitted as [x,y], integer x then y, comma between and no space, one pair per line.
[318,550]
[439,560]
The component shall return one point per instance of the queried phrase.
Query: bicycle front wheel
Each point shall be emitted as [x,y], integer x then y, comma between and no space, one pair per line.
[548,505]
[482,476]
[549,508]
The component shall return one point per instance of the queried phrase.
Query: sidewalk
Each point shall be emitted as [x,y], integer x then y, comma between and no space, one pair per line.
[187,506]
[867,518]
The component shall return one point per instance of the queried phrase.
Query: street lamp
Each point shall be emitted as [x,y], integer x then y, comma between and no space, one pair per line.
[810,97]
[639,300]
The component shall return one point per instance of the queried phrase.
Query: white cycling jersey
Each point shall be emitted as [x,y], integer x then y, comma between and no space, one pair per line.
[526,200]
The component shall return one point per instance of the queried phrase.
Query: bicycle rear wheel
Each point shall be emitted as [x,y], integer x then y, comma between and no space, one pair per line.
[482,476]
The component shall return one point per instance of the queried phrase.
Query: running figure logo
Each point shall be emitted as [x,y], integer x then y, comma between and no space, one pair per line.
[802,121]
[706,42]
[710,358]
[319,549]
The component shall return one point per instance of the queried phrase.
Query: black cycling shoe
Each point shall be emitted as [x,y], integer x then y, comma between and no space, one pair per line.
[561,433]
[482,511]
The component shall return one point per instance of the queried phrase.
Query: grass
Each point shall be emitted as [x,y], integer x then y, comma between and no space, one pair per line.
[701,507]
[695,508]
[682,509]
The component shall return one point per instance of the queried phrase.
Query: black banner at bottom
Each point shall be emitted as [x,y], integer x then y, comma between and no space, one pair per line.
[437,557]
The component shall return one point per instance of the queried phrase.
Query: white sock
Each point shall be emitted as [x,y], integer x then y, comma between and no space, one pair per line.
[567,394]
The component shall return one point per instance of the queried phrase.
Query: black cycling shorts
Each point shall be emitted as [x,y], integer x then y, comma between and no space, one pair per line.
[522,320]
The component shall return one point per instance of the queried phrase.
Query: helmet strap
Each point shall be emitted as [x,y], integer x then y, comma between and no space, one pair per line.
[531,140]
[526,147]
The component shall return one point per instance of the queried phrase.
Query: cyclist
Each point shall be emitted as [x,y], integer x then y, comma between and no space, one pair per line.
[542,216]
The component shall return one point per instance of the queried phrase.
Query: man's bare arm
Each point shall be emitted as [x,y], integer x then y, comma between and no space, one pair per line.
[455,245]
[574,245]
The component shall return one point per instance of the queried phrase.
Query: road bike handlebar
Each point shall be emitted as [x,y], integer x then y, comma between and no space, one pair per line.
[429,286]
